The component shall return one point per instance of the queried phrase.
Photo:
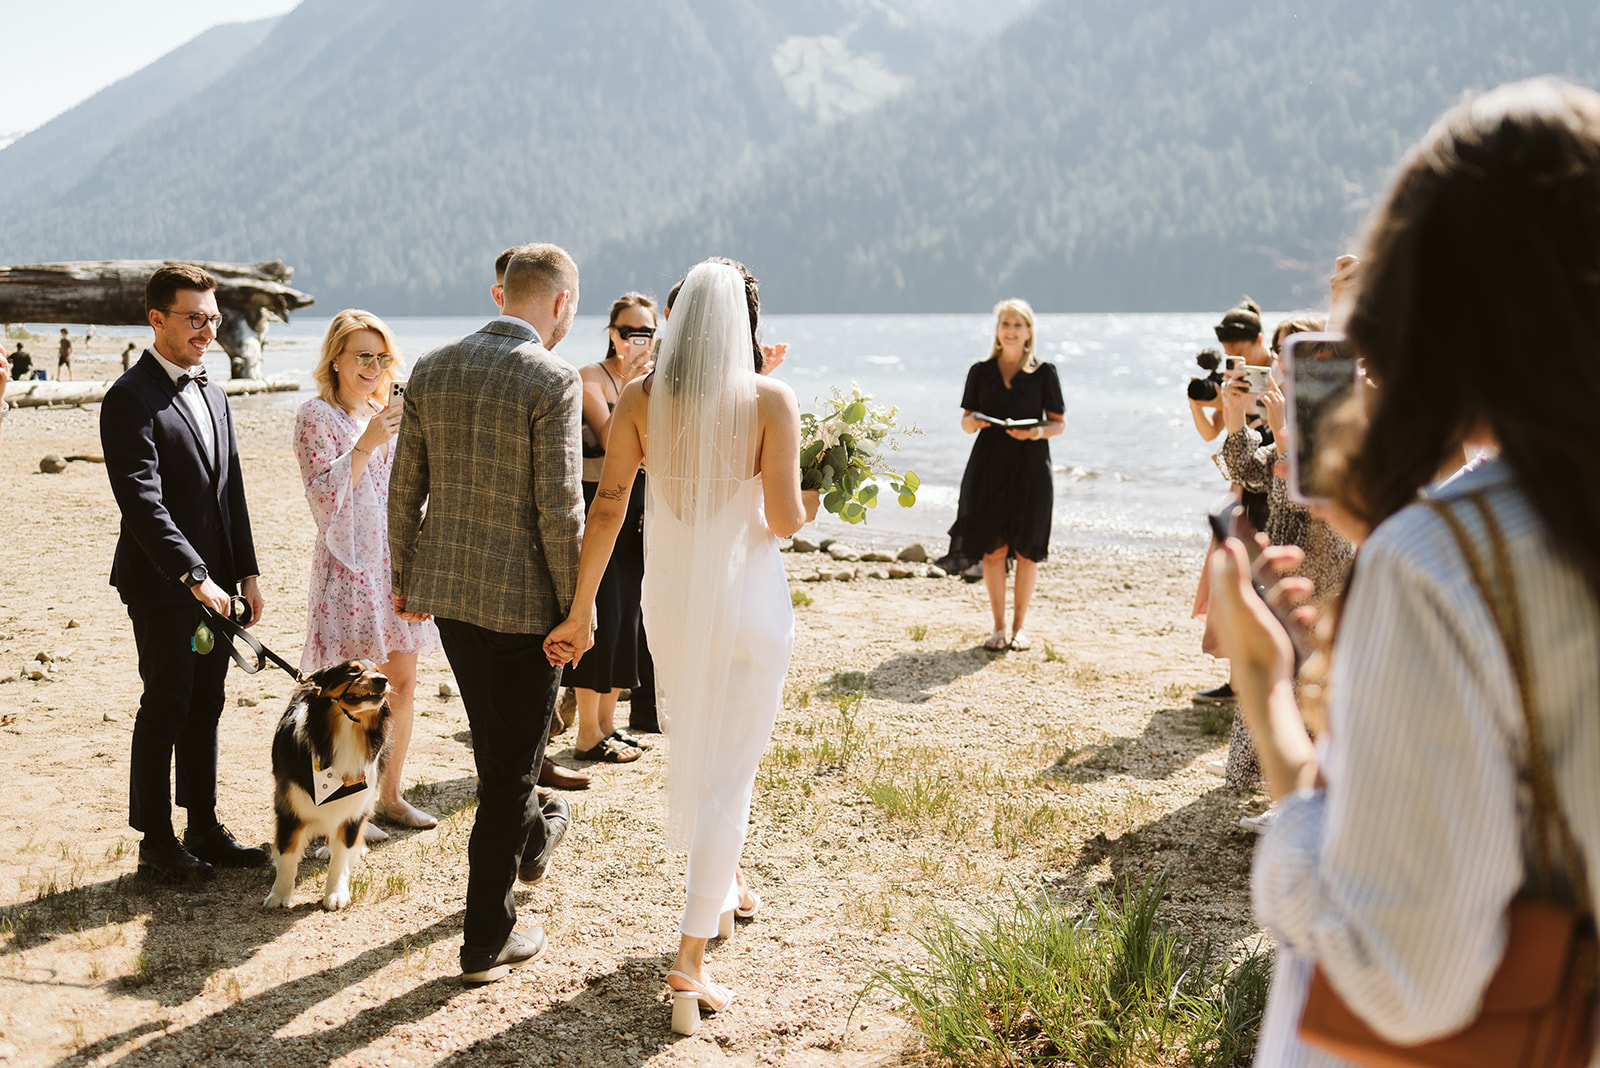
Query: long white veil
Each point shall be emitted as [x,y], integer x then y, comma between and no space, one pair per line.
[700,455]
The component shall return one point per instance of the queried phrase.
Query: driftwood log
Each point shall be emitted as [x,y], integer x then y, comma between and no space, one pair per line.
[31,393]
[111,293]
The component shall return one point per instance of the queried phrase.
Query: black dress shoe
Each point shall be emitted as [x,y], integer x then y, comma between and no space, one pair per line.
[535,865]
[216,846]
[480,966]
[164,860]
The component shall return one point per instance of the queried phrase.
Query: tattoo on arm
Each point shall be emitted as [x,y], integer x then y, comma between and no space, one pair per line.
[618,494]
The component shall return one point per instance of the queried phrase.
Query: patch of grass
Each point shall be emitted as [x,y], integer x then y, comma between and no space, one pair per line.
[918,631]
[1052,655]
[1112,985]
[1216,720]
[1087,674]
[800,598]
[846,682]
[1020,826]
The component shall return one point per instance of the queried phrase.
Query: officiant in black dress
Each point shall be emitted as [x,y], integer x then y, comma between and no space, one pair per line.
[1008,492]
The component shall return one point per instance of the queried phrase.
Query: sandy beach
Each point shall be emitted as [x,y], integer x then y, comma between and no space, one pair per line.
[957,780]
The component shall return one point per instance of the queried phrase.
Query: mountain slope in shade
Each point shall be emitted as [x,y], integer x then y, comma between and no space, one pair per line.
[57,156]
[1100,155]
[389,150]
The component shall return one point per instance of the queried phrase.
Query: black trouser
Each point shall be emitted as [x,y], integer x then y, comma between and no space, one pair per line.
[509,691]
[178,715]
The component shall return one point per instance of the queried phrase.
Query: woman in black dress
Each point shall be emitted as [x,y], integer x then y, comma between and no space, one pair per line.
[1007,492]
[615,660]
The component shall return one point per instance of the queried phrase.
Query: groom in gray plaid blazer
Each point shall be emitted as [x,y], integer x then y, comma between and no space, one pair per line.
[485,518]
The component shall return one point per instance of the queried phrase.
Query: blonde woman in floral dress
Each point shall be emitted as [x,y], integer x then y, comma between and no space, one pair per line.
[343,440]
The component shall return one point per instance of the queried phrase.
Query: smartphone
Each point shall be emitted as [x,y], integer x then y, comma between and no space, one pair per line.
[397,394]
[1232,363]
[1319,376]
[1257,379]
[1229,521]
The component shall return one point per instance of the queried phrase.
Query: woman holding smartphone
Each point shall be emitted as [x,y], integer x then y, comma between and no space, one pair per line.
[1008,490]
[613,663]
[1464,665]
[342,439]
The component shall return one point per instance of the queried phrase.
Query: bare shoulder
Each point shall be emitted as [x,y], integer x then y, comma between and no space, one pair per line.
[774,397]
[592,373]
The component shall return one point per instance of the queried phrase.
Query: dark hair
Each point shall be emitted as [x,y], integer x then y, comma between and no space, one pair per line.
[1241,323]
[627,300]
[1479,304]
[501,262]
[672,294]
[752,300]
[162,288]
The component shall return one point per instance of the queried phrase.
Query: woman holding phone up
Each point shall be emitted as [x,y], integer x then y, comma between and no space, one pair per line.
[1008,490]
[342,440]
[1464,693]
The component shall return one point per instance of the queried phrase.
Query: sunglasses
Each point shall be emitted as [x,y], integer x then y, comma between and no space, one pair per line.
[628,333]
[198,320]
[367,359]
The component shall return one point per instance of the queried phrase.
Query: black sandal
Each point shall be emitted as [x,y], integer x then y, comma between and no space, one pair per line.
[627,739]
[608,751]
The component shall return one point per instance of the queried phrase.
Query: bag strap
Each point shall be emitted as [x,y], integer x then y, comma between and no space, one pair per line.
[1505,608]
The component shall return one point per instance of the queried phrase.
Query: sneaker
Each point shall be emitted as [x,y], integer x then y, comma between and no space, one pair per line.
[524,946]
[1217,695]
[1259,824]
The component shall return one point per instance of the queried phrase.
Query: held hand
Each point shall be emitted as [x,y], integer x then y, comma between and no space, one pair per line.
[1236,400]
[1272,403]
[381,427]
[772,357]
[250,590]
[209,593]
[567,643]
[400,610]
[811,500]
[1031,433]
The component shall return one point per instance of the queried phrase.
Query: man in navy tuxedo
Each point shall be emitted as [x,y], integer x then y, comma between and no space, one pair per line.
[185,542]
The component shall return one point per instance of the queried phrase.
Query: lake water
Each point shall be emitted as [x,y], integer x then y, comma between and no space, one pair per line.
[1131,473]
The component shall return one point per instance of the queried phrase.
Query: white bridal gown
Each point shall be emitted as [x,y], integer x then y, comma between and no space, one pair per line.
[722,652]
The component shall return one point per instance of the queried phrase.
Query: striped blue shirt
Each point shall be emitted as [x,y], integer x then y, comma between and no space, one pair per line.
[1396,879]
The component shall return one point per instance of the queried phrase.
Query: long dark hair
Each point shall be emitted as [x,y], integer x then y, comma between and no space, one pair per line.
[1479,305]
[622,304]
[752,302]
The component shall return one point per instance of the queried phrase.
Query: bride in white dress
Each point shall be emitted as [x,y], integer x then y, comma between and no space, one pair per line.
[722,444]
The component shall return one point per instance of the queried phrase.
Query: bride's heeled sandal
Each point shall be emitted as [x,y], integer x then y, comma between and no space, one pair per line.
[688,1001]
[755,906]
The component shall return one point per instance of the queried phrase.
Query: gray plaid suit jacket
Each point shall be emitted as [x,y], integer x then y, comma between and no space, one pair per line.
[485,505]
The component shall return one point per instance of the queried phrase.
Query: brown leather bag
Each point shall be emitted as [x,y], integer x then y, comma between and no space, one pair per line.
[1538,1009]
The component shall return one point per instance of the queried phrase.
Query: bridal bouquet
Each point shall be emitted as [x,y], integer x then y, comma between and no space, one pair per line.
[842,455]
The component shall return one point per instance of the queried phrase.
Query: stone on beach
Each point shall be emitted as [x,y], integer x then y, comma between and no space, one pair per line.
[840,551]
[801,545]
[52,464]
[913,554]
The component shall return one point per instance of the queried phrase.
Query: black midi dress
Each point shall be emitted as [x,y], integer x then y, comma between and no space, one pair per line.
[1008,491]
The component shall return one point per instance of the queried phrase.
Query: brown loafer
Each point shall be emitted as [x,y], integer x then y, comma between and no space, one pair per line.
[557,777]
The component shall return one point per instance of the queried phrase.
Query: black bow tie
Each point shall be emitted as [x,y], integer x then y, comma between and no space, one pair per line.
[197,377]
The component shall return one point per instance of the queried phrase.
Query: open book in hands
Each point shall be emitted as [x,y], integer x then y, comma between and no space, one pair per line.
[1009,424]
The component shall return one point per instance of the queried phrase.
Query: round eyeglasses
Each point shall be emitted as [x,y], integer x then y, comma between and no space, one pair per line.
[382,359]
[198,320]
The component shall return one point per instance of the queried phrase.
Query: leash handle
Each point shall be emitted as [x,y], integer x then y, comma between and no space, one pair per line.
[231,630]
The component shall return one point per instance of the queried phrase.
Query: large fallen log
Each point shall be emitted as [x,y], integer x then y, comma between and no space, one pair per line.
[111,293]
[37,394]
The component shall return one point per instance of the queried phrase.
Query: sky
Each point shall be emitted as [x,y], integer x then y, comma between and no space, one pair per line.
[57,55]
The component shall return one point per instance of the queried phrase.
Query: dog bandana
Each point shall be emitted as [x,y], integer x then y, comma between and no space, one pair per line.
[329,786]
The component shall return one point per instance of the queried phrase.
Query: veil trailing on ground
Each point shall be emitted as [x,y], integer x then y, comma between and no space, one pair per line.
[700,455]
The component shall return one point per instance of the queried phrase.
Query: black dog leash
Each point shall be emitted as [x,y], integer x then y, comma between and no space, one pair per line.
[230,630]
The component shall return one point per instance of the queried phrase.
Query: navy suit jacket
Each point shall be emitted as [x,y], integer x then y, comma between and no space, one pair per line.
[177,510]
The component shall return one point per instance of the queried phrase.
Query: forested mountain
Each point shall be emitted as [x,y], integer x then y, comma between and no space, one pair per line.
[1103,155]
[59,154]
[860,154]
[389,149]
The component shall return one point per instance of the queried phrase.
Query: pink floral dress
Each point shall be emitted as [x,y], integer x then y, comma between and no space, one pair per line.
[349,613]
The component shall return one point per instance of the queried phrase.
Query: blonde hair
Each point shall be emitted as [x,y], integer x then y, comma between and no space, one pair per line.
[344,324]
[1022,308]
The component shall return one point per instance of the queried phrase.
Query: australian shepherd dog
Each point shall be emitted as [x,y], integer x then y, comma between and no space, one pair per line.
[325,766]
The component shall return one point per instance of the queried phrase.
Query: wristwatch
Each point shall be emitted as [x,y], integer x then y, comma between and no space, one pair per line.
[195,575]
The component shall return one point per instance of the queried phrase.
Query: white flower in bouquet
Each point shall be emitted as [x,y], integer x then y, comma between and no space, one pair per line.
[841,452]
